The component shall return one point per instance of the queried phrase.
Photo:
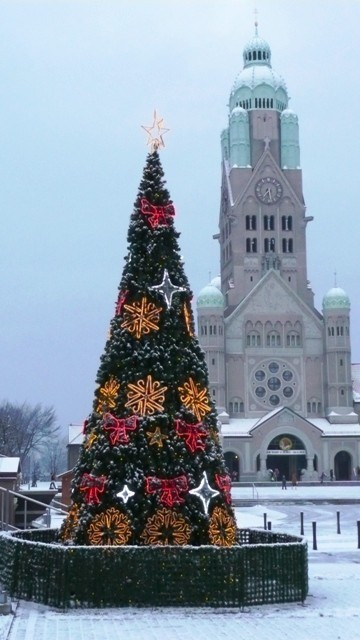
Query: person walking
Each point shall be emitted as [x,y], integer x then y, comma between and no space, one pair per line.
[283,482]
[294,480]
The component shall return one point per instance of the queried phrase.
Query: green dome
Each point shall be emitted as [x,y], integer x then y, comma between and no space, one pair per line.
[336,298]
[210,296]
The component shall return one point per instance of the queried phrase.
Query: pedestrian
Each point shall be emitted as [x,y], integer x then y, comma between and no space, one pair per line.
[331,475]
[294,480]
[322,477]
[283,482]
[52,482]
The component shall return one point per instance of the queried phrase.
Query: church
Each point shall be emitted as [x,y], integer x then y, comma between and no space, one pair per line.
[280,370]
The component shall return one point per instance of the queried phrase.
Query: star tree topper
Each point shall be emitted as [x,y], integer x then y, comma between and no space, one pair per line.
[167,288]
[155,133]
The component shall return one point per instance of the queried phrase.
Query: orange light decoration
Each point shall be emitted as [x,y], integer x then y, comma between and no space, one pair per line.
[107,395]
[156,437]
[69,523]
[188,321]
[194,398]
[141,317]
[146,396]
[222,528]
[110,528]
[90,440]
[166,527]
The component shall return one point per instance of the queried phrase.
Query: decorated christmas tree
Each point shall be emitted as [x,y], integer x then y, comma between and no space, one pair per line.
[151,469]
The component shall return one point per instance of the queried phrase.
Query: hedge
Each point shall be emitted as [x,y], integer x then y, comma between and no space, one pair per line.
[264,567]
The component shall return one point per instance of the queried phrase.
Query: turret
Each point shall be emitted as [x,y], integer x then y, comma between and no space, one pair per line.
[338,383]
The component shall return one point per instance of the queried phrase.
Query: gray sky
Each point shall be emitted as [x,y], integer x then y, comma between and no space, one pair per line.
[77,79]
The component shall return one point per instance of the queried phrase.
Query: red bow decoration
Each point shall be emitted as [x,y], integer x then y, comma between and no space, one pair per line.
[170,490]
[120,302]
[85,424]
[92,485]
[118,427]
[224,484]
[192,433]
[157,215]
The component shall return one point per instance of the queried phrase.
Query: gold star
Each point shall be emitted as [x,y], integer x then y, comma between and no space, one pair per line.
[157,437]
[155,133]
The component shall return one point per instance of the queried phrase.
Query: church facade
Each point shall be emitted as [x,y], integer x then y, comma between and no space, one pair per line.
[280,370]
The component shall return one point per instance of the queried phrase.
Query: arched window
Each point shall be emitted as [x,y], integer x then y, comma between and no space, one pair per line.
[250,223]
[293,339]
[273,339]
[269,223]
[286,223]
[253,339]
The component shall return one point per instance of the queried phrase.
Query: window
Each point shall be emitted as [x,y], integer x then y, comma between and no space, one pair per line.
[250,223]
[251,245]
[293,339]
[287,245]
[269,245]
[269,223]
[286,223]
[253,339]
[273,339]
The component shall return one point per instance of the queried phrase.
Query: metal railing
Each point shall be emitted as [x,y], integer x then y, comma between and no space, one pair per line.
[7,494]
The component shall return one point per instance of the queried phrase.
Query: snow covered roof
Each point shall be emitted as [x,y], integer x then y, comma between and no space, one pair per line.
[9,465]
[76,435]
[242,427]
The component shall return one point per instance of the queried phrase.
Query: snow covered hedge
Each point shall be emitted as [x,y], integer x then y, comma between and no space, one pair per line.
[264,567]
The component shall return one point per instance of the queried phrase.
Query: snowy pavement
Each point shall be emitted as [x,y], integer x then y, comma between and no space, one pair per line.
[330,612]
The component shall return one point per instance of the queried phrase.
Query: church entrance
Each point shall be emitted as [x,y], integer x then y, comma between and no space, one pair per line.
[342,466]
[286,454]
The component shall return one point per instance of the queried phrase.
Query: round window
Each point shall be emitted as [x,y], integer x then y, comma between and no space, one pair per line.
[273,367]
[274,400]
[288,392]
[259,375]
[287,375]
[274,384]
[260,392]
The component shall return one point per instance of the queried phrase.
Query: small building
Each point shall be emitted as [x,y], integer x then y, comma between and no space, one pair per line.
[9,480]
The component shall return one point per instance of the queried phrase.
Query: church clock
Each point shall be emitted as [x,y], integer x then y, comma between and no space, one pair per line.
[268,190]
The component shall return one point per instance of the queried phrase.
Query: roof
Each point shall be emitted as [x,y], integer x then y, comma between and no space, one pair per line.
[76,435]
[9,465]
[242,427]
[336,298]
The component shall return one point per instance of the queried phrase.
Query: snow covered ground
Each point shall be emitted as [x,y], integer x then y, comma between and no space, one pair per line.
[331,610]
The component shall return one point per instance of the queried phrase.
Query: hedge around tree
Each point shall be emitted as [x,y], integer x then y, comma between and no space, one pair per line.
[263,567]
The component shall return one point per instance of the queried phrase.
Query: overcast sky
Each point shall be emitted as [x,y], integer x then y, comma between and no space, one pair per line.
[77,79]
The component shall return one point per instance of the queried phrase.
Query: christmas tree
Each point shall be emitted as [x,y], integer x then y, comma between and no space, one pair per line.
[151,469]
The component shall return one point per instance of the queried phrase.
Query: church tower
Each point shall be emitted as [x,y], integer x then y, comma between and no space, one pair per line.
[276,351]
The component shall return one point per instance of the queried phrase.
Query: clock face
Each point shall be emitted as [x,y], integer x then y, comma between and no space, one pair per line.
[268,190]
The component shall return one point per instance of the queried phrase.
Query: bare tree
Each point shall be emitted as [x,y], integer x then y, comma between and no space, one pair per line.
[54,456]
[25,429]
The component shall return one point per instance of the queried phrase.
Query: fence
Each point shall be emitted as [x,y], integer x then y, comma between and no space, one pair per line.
[264,567]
